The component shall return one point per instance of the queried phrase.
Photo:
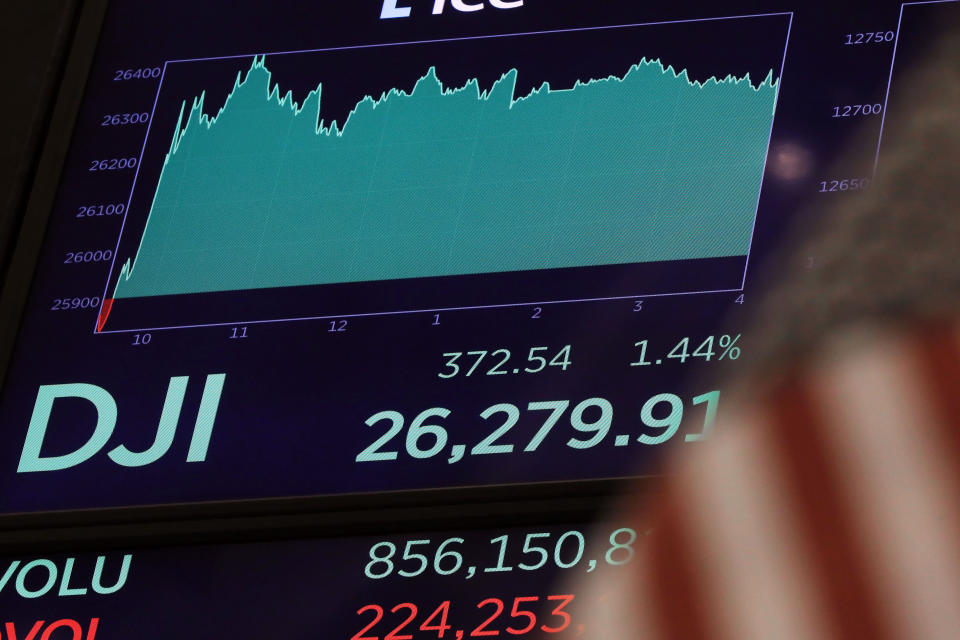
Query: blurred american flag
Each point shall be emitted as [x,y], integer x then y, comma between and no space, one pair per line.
[828,509]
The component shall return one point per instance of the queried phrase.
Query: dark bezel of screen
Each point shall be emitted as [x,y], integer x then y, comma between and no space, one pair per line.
[243,520]
[26,253]
[310,518]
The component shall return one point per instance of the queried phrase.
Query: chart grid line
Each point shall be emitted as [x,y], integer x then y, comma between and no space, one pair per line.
[126,211]
[486,37]
[893,60]
[407,312]
[776,103]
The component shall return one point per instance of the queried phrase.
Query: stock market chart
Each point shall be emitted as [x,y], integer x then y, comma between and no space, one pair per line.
[371,253]
[389,246]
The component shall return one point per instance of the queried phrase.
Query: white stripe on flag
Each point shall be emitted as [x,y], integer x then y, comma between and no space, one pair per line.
[616,603]
[745,543]
[897,484]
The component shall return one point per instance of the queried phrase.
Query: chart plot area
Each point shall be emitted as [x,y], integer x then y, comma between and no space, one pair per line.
[443,174]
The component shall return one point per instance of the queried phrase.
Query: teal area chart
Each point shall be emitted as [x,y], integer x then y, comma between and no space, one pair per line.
[436,180]
[480,172]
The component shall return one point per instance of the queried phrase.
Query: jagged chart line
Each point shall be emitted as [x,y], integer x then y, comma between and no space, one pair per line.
[334,129]
[739,112]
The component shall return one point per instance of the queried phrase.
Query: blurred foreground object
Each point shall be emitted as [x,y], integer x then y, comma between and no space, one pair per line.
[828,504]
[828,511]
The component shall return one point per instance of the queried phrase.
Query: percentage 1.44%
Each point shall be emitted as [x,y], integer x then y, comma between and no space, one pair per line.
[711,348]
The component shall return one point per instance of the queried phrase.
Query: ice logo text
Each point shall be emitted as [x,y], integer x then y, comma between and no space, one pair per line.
[400,8]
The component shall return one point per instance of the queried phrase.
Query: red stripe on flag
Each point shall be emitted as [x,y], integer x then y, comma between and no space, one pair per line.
[811,476]
[939,351]
[676,586]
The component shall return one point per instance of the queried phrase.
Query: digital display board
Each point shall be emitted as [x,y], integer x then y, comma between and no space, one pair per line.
[531,582]
[324,248]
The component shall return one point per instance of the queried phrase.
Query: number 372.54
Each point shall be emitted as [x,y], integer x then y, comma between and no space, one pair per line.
[465,364]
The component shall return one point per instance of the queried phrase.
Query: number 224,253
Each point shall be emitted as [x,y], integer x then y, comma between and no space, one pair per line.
[439,620]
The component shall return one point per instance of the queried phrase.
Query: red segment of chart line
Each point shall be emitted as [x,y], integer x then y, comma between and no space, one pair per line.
[104,313]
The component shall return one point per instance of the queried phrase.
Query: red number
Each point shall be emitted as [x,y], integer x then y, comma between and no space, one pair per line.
[378,617]
[516,613]
[481,631]
[413,614]
[559,612]
[441,628]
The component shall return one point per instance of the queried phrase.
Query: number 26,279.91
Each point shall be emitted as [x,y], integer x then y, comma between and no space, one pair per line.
[426,438]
